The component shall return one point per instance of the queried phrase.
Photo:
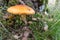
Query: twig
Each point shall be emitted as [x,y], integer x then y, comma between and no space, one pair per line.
[6,30]
[21,2]
[4,27]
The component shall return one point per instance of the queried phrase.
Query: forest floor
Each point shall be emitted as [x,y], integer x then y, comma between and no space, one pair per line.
[40,25]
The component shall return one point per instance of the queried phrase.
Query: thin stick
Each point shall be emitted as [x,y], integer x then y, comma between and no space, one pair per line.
[6,30]
[21,2]
[4,27]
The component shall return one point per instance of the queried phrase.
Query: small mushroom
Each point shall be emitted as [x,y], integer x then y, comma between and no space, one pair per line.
[8,16]
[21,10]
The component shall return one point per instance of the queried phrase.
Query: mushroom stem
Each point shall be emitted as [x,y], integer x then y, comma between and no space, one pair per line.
[23,17]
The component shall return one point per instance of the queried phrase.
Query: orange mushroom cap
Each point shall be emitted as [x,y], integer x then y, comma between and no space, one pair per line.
[21,9]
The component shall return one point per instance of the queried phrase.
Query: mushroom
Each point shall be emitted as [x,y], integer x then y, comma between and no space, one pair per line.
[8,16]
[21,10]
